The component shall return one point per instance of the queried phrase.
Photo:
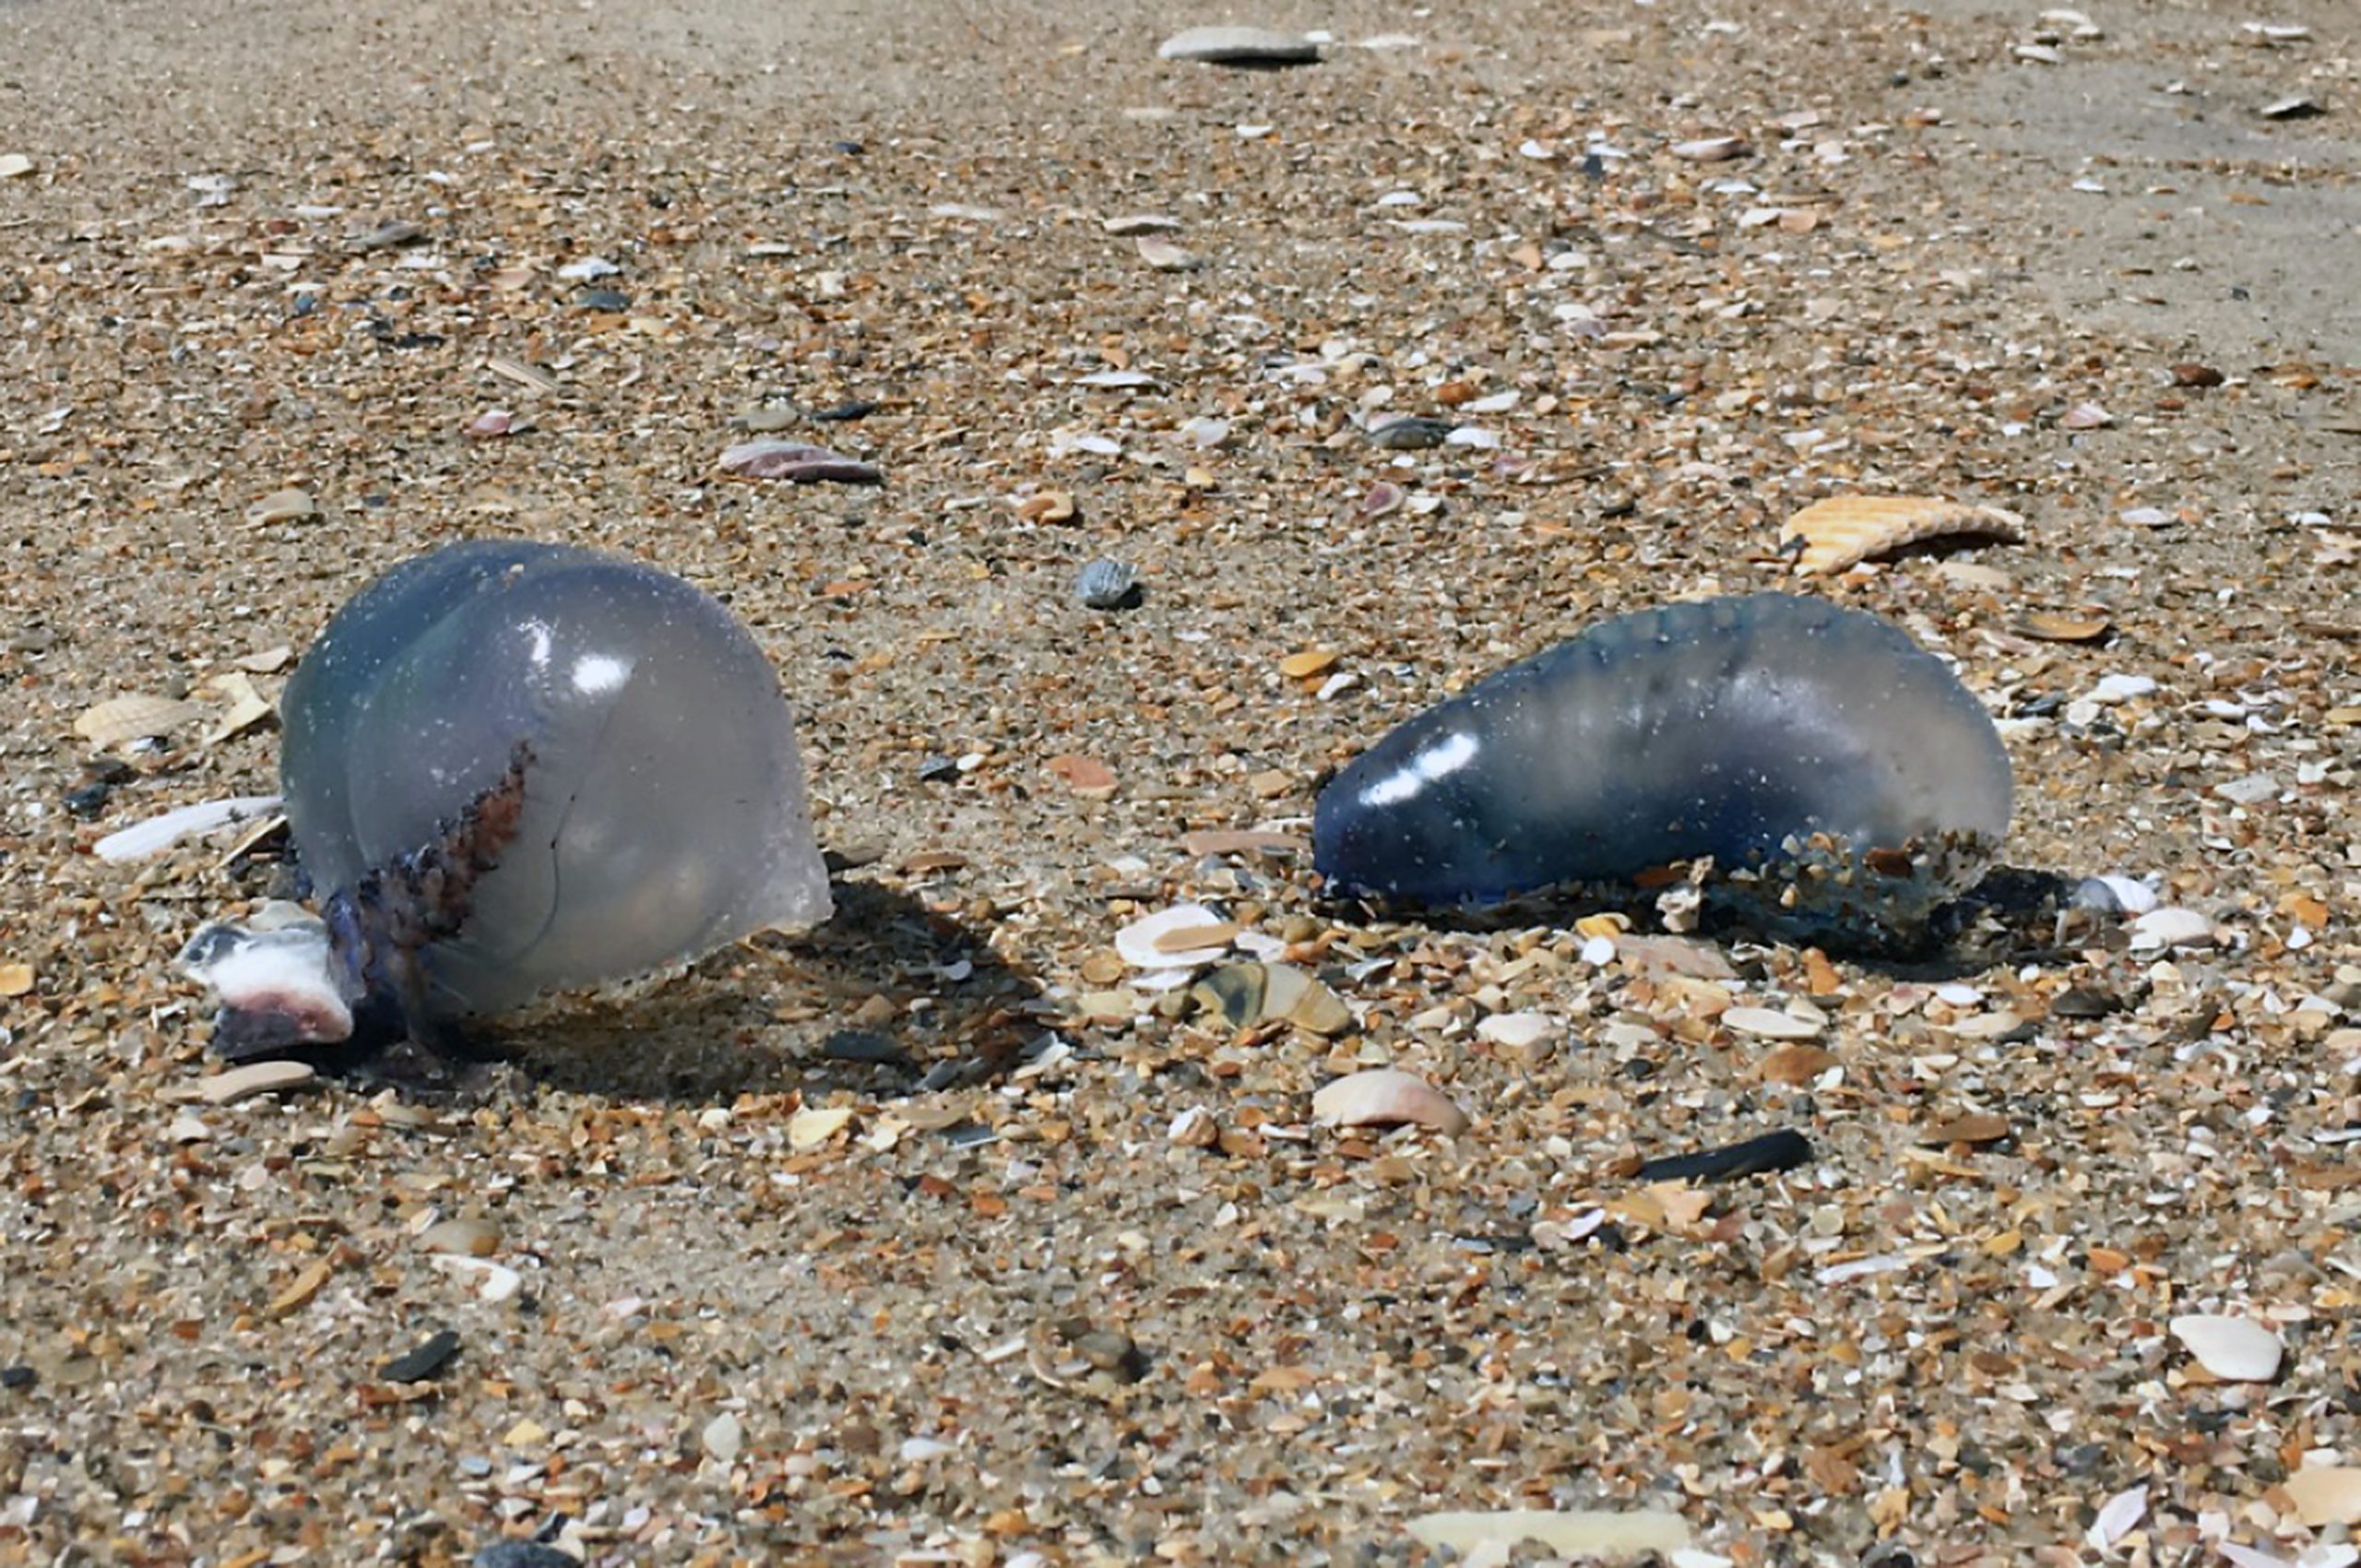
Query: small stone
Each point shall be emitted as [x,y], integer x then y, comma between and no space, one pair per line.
[524,1554]
[461,1238]
[1244,47]
[1235,992]
[610,300]
[2235,1349]
[1415,433]
[723,1438]
[422,1360]
[2086,416]
[385,236]
[1194,1128]
[1130,224]
[1107,583]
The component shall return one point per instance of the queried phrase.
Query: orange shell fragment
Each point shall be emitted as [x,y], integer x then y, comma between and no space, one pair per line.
[1844,530]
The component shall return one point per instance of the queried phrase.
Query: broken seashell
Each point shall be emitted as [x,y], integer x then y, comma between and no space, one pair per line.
[797,462]
[1582,1532]
[1164,256]
[1388,1097]
[2235,1349]
[1844,530]
[1174,938]
[133,718]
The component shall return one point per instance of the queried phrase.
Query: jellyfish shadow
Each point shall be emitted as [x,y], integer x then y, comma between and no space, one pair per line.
[2011,916]
[887,998]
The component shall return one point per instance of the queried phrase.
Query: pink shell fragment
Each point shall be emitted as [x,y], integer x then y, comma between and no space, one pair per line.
[1386,1097]
[797,462]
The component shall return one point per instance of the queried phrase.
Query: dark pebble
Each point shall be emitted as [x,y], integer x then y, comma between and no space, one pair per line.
[2085,1001]
[602,299]
[90,800]
[935,769]
[1415,433]
[859,409]
[424,1360]
[865,1046]
[17,1377]
[1782,1150]
[524,1554]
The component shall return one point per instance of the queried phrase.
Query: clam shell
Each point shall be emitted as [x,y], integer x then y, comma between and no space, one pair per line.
[1388,1097]
[1844,530]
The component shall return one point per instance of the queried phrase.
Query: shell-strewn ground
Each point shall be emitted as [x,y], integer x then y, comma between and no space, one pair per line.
[926,1237]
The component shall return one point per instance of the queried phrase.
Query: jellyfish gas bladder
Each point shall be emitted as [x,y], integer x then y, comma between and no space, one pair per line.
[512,767]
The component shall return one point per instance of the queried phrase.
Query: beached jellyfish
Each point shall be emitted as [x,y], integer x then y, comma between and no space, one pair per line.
[510,767]
[1820,757]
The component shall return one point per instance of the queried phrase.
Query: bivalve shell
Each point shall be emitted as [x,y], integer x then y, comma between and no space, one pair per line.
[1387,1097]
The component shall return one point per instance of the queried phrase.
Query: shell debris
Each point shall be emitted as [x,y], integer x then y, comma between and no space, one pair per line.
[1844,530]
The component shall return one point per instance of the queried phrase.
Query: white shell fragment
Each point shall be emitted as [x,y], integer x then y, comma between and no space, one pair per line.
[158,834]
[1517,1031]
[1388,1097]
[1568,1532]
[1174,938]
[2172,926]
[2235,1349]
[1239,46]
[1769,1024]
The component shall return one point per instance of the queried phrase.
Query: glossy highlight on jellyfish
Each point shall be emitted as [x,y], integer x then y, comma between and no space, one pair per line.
[510,767]
[1815,751]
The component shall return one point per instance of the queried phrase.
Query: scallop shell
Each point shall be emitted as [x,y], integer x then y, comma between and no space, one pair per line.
[1847,529]
[133,718]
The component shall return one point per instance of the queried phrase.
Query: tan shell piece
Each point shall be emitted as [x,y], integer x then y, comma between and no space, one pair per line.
[133,718]
[1844,530]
